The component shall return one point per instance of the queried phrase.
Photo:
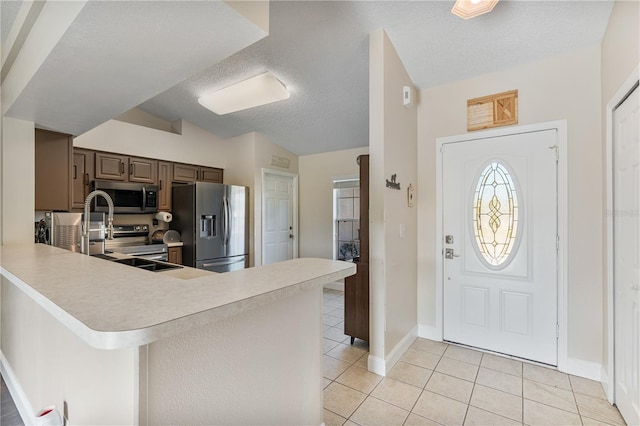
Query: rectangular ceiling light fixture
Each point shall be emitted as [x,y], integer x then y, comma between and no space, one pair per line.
[262,89]
[471,8]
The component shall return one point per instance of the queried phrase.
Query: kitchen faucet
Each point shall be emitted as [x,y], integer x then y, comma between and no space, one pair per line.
[85,228]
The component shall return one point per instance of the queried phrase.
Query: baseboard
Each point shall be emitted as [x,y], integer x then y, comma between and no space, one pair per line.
[336,285]
[429,332]
[586,369]
[381,366]
[17,393]
[608,389]
[376,365]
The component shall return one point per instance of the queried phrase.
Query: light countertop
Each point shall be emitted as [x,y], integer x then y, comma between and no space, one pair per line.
[111,306]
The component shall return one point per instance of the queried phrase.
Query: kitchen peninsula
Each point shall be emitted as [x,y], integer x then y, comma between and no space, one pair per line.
[117,345]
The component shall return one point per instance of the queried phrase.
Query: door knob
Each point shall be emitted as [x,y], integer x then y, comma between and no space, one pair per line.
[449,254]
[290,235]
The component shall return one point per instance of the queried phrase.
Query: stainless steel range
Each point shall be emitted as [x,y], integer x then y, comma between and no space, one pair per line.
[134,241]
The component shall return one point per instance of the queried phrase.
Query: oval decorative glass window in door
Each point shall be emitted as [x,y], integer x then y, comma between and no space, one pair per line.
[495,215]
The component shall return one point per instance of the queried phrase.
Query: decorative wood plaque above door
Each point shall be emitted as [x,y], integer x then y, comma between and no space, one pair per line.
[500,109]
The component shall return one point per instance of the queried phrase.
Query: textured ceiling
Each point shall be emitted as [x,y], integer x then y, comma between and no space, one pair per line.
[161,55]
[8,12]
[320,51]
[118,54]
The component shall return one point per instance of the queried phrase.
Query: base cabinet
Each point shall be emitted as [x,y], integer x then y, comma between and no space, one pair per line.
[356,304]
[174,255]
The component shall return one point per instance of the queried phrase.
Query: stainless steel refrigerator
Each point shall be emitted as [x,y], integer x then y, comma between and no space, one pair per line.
[214,224]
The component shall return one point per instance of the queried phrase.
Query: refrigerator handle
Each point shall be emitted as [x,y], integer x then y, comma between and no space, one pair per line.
[227,214]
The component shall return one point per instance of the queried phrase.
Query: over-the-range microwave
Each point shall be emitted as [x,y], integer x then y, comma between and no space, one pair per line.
[127,197]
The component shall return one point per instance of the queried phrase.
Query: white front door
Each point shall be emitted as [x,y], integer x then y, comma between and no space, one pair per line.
[626,256]
[277,232]
[500,244]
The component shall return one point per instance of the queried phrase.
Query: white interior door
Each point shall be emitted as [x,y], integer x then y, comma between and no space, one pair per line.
[277,231]
[500,244]
[626,256]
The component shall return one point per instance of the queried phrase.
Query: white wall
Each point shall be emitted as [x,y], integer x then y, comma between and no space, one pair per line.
[263,366]
[264,149]
[317,173]
[562,87]
[393,260]
[18,180]
[194,145]
[620,56]
[53,366]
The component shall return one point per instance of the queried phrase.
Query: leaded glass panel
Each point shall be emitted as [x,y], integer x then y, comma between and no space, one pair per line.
[495,214]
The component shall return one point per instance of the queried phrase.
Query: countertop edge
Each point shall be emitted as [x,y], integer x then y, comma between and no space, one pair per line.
[138,337]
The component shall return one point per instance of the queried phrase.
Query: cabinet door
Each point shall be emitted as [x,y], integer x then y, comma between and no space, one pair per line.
[356,303]
[53,160]
[143,170]
[210,174]
[164,186]
[112,166]
[82,175]
[175,255]
[185,173]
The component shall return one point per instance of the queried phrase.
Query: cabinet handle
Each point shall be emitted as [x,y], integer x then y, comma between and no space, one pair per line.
[130,169]
[75,172]
[197,174]
[86,179]
[121,168]
[160,187]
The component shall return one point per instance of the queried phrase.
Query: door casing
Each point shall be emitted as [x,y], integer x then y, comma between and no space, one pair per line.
[561,127]
[608,377]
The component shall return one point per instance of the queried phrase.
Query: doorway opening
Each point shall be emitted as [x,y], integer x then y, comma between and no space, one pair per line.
[346,219]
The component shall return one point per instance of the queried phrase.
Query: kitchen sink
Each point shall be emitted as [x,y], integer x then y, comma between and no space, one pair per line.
[146,264]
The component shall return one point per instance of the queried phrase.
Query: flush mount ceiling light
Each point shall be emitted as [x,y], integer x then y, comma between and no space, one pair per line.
[471,8]
[262,89]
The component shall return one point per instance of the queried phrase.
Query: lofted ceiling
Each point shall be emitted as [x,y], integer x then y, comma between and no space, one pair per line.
[318,49]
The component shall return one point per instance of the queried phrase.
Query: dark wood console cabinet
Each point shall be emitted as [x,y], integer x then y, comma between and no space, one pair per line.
[356,287]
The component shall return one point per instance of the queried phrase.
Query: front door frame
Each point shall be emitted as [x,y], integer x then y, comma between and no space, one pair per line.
[294,177]
[561,127]
[609,376]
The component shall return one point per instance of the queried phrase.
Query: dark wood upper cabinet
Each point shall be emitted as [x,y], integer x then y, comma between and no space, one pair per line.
[164,185]
[82,176]
[143,170]
[187,173]
[210,174]
[53,168]
[123,168]
[65,175]
[112,166]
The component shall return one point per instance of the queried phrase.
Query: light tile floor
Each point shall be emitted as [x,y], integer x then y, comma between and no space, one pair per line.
[436,383]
